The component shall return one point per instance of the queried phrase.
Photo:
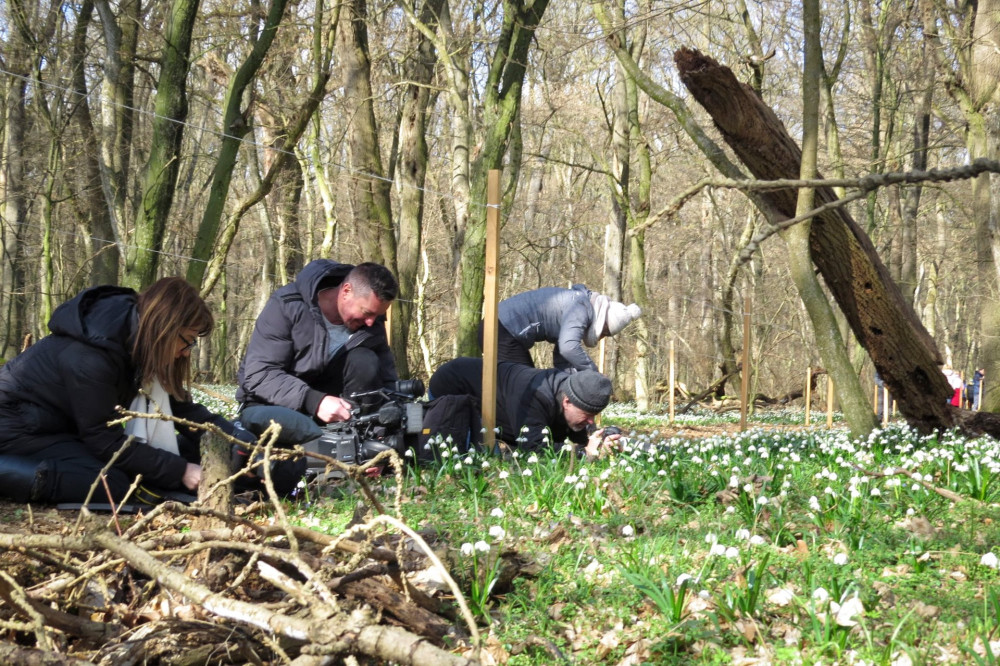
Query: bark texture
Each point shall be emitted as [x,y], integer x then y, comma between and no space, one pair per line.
[903,352]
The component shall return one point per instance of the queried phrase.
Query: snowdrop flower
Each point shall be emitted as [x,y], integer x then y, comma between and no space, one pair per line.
[711,538]
[820,595]
[732,553]
[990,560]
[757,540]
[683,578]
[627,530]
[717,550]
[762,500]
[571,479]
[840,559]
[532,459]
[497,513]
[468,460]
[467,549]
[748,487]
[458,465]
[485,464]
[567,447]
[910,511]
[580,485]
[503,474]
[730,509]
[742,534]
[482,547]
[526,472]
[409,452]
[875,492]
[497,532]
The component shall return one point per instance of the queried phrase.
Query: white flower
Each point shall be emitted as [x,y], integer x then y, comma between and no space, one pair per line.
[711,538]
[717,549]
[526,472]
[497,532]
[762,500]
[503,474]
[820,595]
[467,460]
[840,559]
[683,578]
[409,453]
[732,553]
[580,485]
[485,464]
[567,447]
[571,479]
[458,465]
[757,540]
[467,549]
[875,492]
[532,459]
[990,560]
[742,534]
[497,512]
[814,504]
[482,546]
[627,530]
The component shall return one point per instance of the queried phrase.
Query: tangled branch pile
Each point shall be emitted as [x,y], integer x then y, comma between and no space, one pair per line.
[158,591]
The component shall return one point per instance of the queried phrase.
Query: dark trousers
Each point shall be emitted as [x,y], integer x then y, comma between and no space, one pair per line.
[71,472]
[509,348]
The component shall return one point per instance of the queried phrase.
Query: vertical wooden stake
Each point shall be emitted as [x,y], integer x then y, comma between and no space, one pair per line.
[745,388]
[809,386]
[875,399]
[490,297]
[672,376]
[601,360]
[886,405]
[829,400]
[388,325]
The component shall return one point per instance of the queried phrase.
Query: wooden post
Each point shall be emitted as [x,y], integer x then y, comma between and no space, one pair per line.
[886,405]
[490,297]
[671,387]
[875,398]
[388,325]
[601,360]
[745,388]
[809,386]
[829,400]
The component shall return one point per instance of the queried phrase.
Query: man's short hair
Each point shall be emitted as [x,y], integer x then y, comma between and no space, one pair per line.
[369,276]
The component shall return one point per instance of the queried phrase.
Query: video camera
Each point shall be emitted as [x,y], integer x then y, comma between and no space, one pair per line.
[362,437]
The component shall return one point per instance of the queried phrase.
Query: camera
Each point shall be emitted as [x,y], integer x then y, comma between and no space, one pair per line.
[394,425]
[612,430]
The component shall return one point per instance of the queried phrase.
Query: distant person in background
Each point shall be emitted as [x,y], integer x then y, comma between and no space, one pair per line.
[975,389]
[956,383]
[568,318]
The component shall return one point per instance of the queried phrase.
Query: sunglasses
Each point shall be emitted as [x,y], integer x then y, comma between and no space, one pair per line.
[188,344]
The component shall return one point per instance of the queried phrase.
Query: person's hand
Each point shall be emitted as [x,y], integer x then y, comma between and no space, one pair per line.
[192,476]
[333,409]
[599,442]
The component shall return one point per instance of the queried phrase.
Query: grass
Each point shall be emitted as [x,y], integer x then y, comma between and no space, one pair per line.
[794,546]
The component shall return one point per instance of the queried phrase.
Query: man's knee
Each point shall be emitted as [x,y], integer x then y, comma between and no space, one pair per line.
[296,427]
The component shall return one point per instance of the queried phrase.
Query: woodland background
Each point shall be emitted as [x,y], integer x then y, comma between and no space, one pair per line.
[233,143]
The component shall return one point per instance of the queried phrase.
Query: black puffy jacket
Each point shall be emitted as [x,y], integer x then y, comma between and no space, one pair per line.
[66,387]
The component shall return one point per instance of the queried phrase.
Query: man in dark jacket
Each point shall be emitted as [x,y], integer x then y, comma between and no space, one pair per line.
[535,408]
[317,342]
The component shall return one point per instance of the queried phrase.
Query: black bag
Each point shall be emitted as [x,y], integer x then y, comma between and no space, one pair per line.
[454,416]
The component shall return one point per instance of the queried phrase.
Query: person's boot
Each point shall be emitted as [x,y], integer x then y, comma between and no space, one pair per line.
[22,479]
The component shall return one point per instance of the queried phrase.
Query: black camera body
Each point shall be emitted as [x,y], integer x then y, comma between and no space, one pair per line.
[362,437]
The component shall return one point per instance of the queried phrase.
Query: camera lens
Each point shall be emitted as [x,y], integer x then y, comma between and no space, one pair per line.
[612,430]
[411,387]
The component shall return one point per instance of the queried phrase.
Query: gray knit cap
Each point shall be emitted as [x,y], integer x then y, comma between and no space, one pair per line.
[589,390]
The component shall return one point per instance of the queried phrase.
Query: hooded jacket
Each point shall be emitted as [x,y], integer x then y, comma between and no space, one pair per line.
[553,314]
[529,410]
[66,387]
[286,361]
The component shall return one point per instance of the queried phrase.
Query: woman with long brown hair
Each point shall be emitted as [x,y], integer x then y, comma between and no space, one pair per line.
[57,397]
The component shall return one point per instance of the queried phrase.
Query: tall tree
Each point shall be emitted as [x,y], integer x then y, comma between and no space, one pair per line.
[160,174]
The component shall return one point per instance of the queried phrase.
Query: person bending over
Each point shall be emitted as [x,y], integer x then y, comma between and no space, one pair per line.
[568,318]
[57,397]
[535,408]
[317,342]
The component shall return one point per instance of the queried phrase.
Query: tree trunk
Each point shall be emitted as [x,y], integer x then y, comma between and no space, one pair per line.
[902,351]
[96,209]
[235,126]
[160,175]
[369,187]
[501,110]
